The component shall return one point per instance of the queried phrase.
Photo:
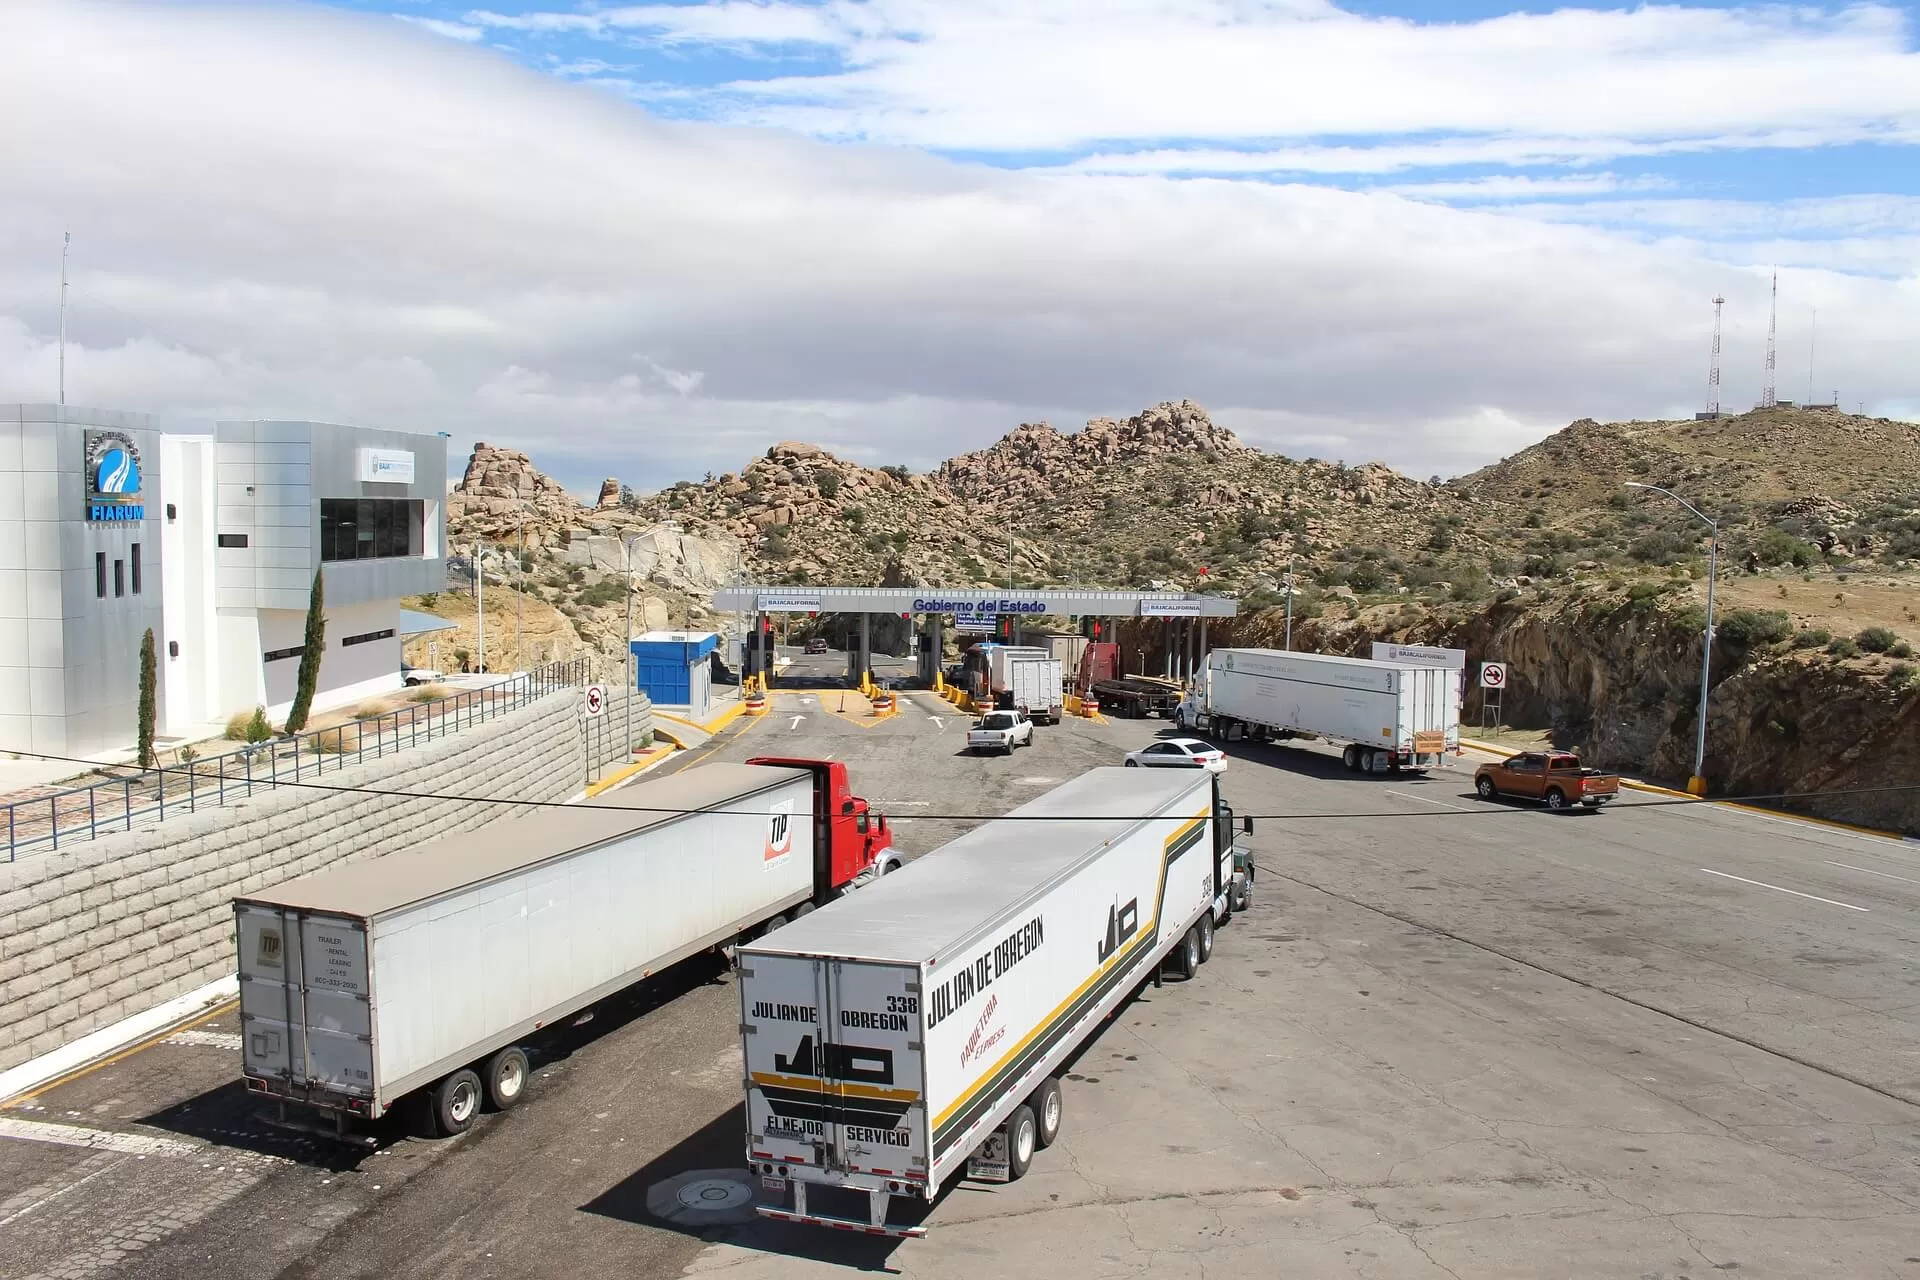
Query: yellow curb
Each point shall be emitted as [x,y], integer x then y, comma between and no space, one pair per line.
[625,771]
[120,1055]
[712,726]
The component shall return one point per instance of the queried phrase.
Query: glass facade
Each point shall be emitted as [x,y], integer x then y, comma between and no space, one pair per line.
[369,528]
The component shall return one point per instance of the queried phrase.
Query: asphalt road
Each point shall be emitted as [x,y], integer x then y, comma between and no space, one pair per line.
[1450,1038]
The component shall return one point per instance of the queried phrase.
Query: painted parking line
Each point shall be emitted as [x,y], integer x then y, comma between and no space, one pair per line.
[1444,804]
[73,1135]
[1884,875]
[1812,897]
[207,1039]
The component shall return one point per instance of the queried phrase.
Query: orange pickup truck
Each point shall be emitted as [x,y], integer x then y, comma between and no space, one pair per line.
[1553,776]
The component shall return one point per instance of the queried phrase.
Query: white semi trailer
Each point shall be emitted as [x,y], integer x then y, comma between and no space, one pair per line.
[916,1030]
[1039,685]
[433,968]
[1390,715]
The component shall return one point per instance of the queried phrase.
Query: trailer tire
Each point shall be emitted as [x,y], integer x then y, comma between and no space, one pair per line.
[1023,1139]
[1205,929]
[1047,1109]
[1351,757]
[506,1077]
[456,1103]
[1185,960]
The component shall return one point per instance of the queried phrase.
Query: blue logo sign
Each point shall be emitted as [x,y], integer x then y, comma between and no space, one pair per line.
[113,477]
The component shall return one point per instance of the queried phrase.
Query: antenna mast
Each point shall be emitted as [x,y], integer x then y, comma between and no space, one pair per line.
[1768,398]
[65,244]
[1713,365]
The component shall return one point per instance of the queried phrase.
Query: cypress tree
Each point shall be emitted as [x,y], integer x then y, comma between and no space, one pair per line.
[148,680]
[315,644]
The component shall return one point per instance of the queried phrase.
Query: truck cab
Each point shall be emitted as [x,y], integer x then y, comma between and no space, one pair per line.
[852,844]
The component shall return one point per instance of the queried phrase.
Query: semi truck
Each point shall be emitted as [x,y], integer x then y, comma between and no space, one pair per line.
[1135,697]
[1038,684]
[916,1031]
[1390,716]
[429,971]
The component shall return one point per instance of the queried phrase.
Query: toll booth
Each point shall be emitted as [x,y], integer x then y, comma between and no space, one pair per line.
[673,669]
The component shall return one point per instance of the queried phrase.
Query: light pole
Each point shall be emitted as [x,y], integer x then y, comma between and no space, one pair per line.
[1697,784]
[626,644]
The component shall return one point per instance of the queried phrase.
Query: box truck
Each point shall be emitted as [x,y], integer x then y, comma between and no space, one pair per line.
[1390,715]
[1039,685]
[917,1030]
[432,968]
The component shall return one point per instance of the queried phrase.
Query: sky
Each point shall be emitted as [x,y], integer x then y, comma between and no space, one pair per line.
[648,241]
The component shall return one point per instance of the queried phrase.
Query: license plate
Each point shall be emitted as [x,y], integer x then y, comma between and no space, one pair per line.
[769,1183]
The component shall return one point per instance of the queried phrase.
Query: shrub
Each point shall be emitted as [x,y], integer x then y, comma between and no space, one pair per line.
[428,599]
[1367,576]
[601,593]
[828,484]
[237,728]
[777,546]
[312,649]
[855,516]
[1844,648]
[1900,675]
[1777,546]
[1876,639]
[1811,638]
[427,693]
[257,729]
[1750,628]
[1900,649]
[369,711]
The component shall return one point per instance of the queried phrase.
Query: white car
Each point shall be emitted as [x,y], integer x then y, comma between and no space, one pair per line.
[1179,753]
[1001,731]
[411,676]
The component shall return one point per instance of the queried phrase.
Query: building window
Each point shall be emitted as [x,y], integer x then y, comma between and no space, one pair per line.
[233,540]
[276,655]
[119,578]
[135,561]
[368,637]
[369,528]
[100,574]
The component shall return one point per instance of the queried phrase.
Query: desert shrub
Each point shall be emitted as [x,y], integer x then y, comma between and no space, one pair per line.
[602,593]
[1641,592]
[257,729]
[1900,675]
[369,711]
[1777,546]
[1750,628]
[237,727]
[1876,639]
[1659,547]
[828,483]
[427,693]
[1900,649]
[1367,576]
[1843,648]
[1811,637]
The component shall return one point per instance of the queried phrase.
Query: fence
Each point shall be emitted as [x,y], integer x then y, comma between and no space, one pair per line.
[119,804]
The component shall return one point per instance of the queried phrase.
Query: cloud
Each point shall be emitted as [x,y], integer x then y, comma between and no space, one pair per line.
[1015,75]
[464,32]
[407,230]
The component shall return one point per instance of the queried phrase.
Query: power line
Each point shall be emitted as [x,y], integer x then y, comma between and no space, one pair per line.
[1492,810]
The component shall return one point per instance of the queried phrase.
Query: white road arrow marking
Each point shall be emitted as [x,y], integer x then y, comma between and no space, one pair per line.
[795,724]
[936,723]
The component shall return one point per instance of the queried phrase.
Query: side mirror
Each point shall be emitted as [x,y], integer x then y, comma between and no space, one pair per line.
[1246,826]
[846,806]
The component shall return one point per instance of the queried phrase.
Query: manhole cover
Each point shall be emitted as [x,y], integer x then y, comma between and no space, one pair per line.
[704,1197]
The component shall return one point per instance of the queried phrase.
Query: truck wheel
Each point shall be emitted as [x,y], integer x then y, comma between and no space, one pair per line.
[1556,798]
[1023,1139]
[1243,896]
[1351,757]
[456,1103]
[1185,960]
[1486,788]
[1047,1109]
[506,1077]
[1206,937]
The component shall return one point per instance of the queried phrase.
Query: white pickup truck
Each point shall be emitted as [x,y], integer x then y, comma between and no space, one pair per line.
[1001,731]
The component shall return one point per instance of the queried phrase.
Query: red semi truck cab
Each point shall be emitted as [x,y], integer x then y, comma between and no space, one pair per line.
[852,843]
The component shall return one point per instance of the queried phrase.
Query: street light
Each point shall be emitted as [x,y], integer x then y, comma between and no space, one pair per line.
[1697,784]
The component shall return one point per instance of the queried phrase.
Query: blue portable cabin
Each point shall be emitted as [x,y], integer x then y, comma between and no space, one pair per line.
[672,668]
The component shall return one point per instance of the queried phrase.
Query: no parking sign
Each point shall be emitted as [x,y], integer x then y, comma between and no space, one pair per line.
[1493,675]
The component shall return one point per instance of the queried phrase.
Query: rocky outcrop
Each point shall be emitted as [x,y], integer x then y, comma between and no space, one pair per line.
[505,473]
[609,494]
[1034,457]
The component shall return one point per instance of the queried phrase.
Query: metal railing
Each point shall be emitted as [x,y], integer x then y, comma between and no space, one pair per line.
[153,795]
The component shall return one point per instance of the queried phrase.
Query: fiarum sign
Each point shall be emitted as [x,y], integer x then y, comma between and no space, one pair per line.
[113,477]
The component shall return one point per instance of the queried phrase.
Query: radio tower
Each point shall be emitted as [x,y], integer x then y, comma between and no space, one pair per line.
[1713,366]
[1768,398]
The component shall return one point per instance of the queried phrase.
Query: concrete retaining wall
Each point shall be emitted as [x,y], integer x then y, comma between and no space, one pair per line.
[106,928]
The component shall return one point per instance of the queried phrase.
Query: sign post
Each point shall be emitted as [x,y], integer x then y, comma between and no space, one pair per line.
[595,702]
[1493,678]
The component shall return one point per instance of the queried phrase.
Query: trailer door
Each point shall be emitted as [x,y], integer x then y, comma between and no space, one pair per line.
[876,1111]
[833,1061]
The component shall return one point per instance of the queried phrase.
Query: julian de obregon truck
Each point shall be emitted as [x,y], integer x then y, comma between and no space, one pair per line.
[434,967]
[917,1030]
[1390,715]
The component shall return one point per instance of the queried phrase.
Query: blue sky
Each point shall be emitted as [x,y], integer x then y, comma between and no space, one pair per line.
[649,240]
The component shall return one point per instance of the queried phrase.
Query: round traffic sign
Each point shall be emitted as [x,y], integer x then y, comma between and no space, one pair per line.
[1493,675]
[596,699]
